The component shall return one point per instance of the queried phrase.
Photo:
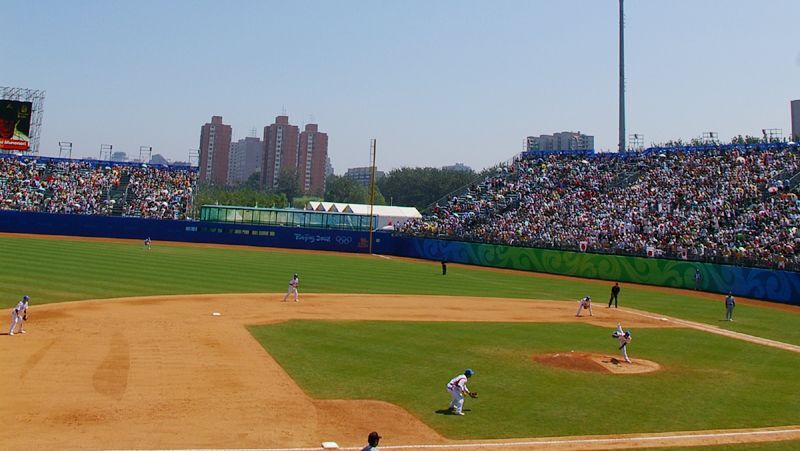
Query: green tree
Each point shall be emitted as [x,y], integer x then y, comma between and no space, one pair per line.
[345,190]
[420,187]
[240,196]
[289,183]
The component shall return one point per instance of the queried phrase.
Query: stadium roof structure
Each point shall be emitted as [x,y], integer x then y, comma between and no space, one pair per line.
[383,211]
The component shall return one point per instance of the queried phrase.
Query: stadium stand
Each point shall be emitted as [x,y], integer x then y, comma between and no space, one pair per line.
[91,187]
[721,204]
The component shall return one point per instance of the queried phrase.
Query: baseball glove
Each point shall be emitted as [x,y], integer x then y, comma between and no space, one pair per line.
[585,306]
[473,394]
[25,317]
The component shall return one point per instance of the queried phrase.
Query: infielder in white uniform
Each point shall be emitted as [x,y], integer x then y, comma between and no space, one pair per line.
[458,389]
[292,288]
[624,337]
[585,303]
[18,315]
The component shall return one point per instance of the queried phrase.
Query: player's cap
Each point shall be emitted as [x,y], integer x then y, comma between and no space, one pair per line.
[295,275]
[25,298]
[373,438]
[468,372]
[627,333]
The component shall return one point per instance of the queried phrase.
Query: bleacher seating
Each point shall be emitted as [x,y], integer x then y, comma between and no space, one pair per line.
[724,204]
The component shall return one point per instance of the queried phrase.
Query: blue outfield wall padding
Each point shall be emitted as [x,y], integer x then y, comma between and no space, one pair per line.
[190,231]
[756,283]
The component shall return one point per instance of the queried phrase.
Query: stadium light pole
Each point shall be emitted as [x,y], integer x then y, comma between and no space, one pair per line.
[621,77]
[106,148]
[65,147]
[373,151]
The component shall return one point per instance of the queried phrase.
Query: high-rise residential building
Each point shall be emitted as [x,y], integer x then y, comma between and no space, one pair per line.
[796,120]
[561,141]
[119,156]
[281,147]
[328,167]
[311,160]
[363,175]
[246,158]
[215,145]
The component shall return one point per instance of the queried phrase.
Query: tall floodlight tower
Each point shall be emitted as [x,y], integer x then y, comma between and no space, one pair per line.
[621,78]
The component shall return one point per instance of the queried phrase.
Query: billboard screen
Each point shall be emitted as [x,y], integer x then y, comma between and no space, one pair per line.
[15,125]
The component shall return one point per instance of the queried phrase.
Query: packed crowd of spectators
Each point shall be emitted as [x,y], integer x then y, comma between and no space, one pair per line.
[94,188]
[722,205]
[156,193]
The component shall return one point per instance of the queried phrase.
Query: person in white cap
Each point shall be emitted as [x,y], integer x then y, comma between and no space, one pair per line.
[18,315]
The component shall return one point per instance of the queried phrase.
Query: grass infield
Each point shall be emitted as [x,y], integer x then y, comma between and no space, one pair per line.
[706,381]
[56,270]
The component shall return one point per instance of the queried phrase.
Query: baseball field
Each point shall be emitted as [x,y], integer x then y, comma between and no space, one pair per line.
[123,350]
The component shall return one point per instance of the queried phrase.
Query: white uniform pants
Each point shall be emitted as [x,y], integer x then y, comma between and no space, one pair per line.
[457,398]
[580,307]
[15,319]
[624,350]
[289,293]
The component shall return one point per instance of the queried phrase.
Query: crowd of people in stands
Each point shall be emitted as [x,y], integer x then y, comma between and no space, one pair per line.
[156,193]
[722,205]
[94,188]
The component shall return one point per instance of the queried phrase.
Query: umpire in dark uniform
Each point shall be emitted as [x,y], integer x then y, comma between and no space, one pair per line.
[614,293]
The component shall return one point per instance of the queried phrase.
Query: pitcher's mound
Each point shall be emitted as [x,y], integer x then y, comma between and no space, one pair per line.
[588,361]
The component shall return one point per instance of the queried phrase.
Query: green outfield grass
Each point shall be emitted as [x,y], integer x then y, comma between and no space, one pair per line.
[52,270]
[707,381]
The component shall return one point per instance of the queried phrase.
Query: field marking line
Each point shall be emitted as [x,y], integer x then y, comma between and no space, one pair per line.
[567,441]
[724,332]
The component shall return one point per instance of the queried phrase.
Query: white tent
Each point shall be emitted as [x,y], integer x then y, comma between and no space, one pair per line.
[388,215]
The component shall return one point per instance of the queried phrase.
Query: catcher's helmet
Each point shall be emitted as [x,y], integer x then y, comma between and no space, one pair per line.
[468,372]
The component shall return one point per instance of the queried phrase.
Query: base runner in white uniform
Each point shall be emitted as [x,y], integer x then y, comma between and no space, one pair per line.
[585,303]
[18,315]
[458,389]
[293,284]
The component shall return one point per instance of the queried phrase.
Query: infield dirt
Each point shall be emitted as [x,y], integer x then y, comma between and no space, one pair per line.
[162,372]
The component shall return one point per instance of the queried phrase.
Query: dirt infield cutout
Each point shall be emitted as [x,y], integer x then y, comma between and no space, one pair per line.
[593,362]
[163,372]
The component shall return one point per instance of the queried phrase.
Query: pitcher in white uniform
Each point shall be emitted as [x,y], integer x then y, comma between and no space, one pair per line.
[624,337]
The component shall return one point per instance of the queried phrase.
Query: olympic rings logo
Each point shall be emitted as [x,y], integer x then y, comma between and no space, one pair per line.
[344,239]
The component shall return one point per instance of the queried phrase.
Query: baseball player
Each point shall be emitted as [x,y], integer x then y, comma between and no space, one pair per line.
[292,288]
[458,388]
[730,303]
[147,243]
[18,315]
[585,303]
[624,337]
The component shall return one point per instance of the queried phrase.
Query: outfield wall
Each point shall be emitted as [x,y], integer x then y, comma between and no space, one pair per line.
[188,231]
[778,286]
[773,285]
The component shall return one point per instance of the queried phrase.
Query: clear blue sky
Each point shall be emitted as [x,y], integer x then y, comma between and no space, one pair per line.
[435,81]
